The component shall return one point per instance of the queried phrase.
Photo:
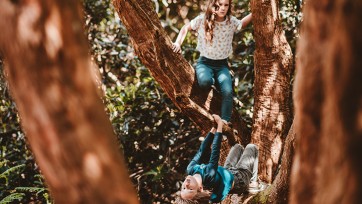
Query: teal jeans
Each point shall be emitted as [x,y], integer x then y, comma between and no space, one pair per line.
[216,72]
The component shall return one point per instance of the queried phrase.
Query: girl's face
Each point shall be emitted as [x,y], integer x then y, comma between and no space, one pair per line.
[189,188]
[222,7]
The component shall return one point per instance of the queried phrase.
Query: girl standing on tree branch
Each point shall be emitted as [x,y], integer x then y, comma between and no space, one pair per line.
[216,30]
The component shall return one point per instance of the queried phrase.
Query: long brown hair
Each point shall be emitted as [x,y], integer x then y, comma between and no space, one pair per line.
[210,16]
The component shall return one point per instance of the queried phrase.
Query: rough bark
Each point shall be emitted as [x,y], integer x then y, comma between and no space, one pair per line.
[174,74]
[328,165]
[273,61]
[52,83]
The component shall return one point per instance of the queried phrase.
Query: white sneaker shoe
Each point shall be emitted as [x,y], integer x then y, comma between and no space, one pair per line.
[256,187]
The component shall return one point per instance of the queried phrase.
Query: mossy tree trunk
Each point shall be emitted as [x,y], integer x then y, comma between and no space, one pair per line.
[328,104]
[52,82]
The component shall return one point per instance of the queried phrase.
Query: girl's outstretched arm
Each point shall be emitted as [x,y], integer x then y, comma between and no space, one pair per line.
[216,144]
[246,20]
[176,47]
[202,153]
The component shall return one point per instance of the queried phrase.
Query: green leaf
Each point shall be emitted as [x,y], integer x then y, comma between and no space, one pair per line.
[12,197]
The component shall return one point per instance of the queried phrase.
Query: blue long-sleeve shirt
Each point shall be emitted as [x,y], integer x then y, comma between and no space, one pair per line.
[213,176]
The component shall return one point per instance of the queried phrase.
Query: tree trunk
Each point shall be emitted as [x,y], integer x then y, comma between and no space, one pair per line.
[52,83]
[272,90]
[328,163]
[174,74]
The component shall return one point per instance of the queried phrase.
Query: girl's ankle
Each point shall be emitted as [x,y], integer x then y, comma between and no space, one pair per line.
[227,123]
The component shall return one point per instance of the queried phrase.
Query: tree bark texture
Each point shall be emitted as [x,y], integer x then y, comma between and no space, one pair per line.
[273,61]
[328,104]
[52,83]
[174,74]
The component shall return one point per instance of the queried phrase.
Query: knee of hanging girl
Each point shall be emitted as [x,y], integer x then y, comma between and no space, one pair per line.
[237,145]
[253,147]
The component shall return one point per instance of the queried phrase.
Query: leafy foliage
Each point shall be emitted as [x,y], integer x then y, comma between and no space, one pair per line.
[8,113]
[12,198]
[18,170]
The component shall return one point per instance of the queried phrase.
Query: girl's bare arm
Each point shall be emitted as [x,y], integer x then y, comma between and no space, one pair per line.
[176,47]
[246,20]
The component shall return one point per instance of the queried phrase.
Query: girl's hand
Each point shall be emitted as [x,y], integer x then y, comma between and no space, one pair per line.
[176,48]
[218,120]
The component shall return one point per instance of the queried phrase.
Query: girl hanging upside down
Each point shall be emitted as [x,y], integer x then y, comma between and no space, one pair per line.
[208,181]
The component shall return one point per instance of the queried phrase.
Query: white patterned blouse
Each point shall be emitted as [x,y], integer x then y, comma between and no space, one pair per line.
[221,46]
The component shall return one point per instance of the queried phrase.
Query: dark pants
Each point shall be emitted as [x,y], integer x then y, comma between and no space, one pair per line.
[216,72]
[243,164]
